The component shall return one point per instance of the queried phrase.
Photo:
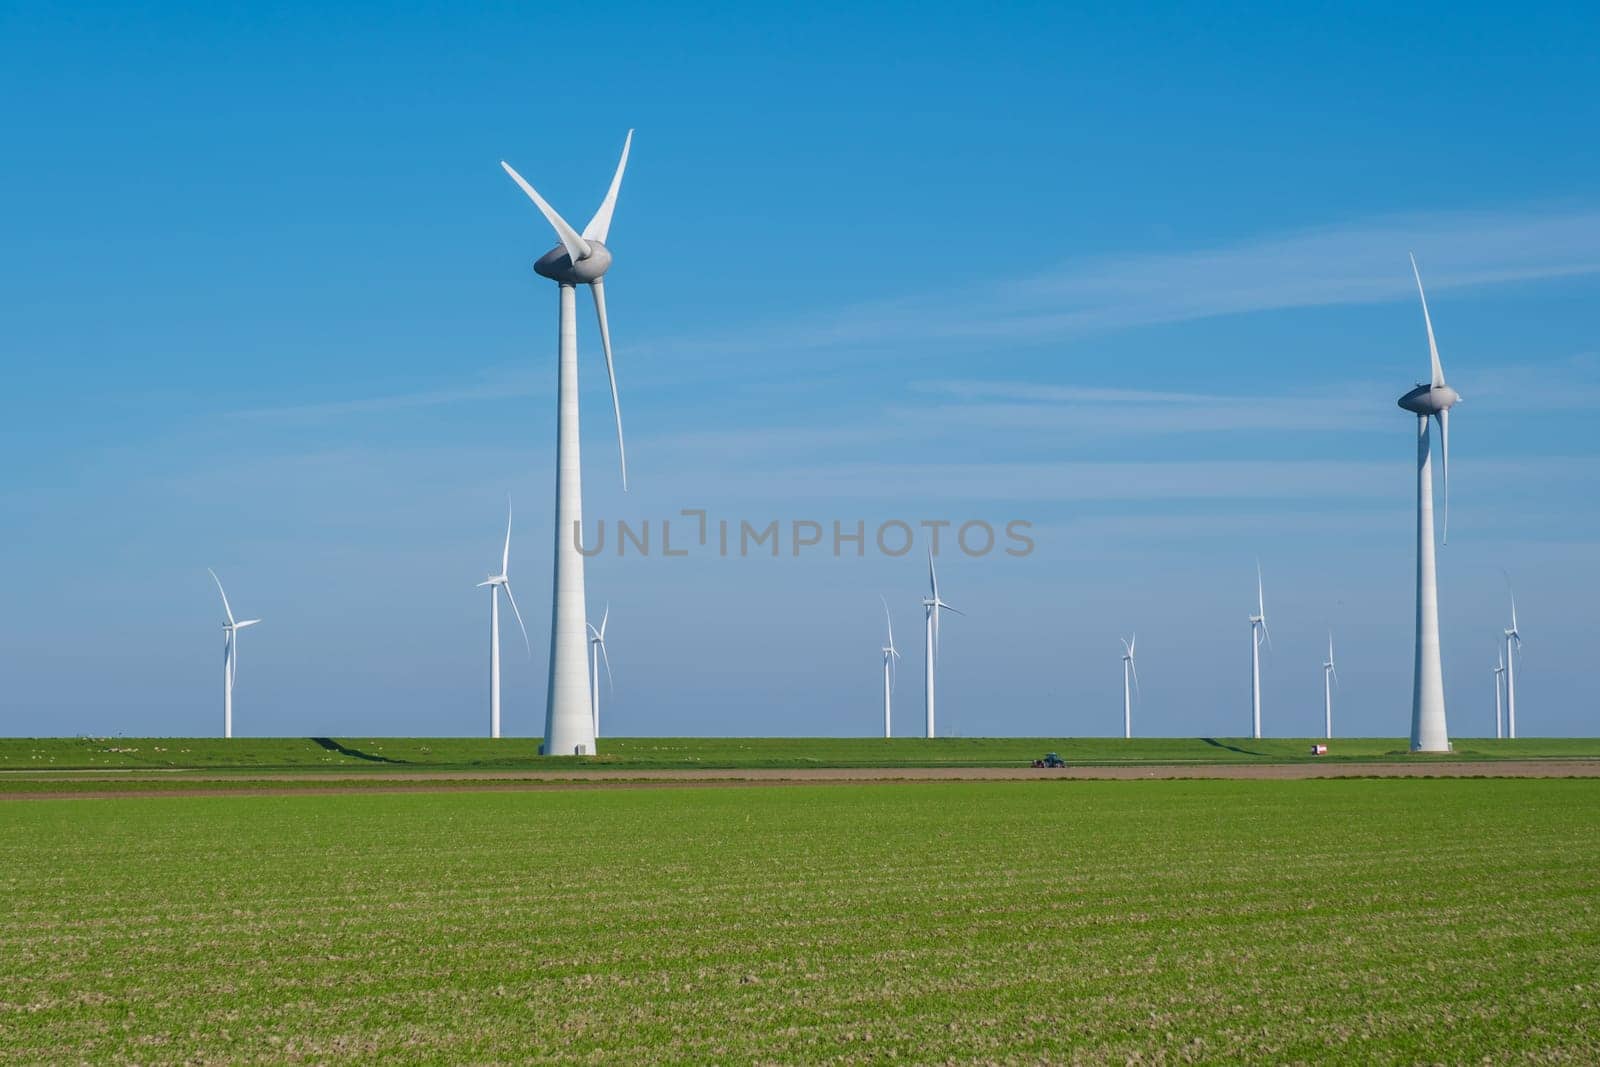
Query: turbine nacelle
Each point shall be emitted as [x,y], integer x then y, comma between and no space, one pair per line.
[1430,400]
[557,265]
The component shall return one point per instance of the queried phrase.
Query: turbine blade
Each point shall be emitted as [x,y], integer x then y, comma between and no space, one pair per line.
[1444,452]
[600,225]
[576,246]
[233,661]
[933,577]
[518,614]
[887,618]
[947,607]
[1134,667]
[1261,597]
[1266,632]
[229,610]
[603,617]
[505,557]
[605,657]
[598,288]
[1433,349]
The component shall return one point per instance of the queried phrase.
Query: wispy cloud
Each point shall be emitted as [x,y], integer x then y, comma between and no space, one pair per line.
[504,387]
[1078,409]
[1359,263]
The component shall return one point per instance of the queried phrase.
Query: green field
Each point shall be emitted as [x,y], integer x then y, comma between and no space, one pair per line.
[1340,921]
[654,753]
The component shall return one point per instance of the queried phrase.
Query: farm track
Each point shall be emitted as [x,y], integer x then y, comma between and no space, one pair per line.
[304,783]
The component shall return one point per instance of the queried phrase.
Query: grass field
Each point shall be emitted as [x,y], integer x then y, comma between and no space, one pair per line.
[652,753]
[1351,921]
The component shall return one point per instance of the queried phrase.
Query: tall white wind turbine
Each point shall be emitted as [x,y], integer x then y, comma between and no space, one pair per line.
[230,655]
[890,655]
[495,583]
[1513,650]
[931,606]
[580,259]
[597,652]
[1499,680]
[1129,669]
[1432,399]
[1330,674]
[1258,632]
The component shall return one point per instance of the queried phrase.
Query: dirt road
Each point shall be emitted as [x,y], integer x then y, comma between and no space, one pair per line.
[194,783]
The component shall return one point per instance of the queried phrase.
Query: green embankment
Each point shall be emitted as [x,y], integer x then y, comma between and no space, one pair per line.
[651,753]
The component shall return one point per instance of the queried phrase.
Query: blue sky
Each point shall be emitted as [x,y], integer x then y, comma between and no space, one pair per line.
[1137,279]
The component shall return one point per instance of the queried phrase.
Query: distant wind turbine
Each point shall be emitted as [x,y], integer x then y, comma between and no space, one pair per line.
[597,652]
[1431,399]
[890,654]
[580,259]
[1129,668]
[1499,680]
[1258,631]
[495,583]
[1330,674]
[932,605]
[230,655]
[1513,650]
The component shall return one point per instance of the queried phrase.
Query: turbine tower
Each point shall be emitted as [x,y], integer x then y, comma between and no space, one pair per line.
[1499,680]
[1129,668]
[1330,674]
[890,654]
[580,259]
[1258,631]
[495,583]
[931,606]
[230,655]
[1513,650]
[1432,399]
[597,652]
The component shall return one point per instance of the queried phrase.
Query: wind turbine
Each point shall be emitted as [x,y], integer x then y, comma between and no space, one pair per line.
[1258,631]
[580,259]
[890,654]
[931,606]
[1499,711]
[1431,399]
[496,582]
[1330,674]
[1513,650]
[1128,668]
[597,652]
[230,655]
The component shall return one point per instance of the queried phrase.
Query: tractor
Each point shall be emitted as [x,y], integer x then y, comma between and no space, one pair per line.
[1050,760]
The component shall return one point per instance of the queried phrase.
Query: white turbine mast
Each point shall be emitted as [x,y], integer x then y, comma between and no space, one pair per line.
[1258,632]
[597,653]
[931,606]
[1130,669]
[495,583]
[1429,400]
[230,655]
[890,655]
[1513,653]
[580,259]
[1499,681]
[1330,676]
